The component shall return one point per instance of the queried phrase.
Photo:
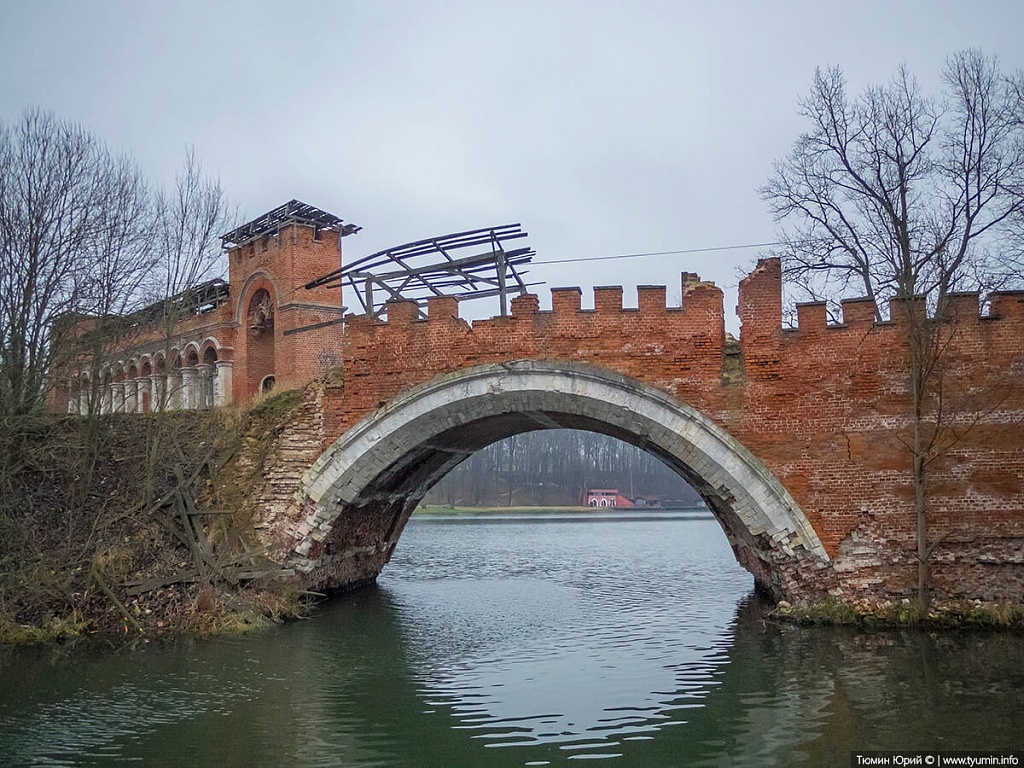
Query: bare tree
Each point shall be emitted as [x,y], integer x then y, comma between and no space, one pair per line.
[72,248]
[905,198]
[897,194]
[49,192]
[73,242]
[119,261]
[189,220]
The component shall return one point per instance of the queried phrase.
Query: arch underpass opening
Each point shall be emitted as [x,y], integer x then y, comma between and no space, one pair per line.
[355,500]
[560,469]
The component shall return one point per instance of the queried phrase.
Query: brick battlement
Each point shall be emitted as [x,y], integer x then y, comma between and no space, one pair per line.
[689,341]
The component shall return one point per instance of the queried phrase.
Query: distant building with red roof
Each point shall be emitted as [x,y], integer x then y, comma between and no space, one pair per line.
[606,497]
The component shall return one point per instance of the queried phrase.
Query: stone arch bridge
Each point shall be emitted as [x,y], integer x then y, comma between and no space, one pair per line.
[796,438]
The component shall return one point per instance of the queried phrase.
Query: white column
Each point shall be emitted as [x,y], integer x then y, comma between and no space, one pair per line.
[143,386]
[204,385]
[222,384]
[117,397]
[188,387]
[107,398]
[131,395]
[173,389]
[158,384]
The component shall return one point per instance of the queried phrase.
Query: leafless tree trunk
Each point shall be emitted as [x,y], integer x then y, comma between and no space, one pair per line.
[121,260]
[188,222]
[190,218]
[72,247]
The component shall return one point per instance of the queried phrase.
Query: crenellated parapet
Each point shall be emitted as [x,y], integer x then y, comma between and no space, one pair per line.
[675,346]
[681,349]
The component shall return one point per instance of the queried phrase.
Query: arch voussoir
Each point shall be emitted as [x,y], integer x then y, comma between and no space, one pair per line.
[354,501]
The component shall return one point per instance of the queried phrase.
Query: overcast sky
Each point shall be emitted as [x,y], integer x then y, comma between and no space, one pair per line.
[604,127]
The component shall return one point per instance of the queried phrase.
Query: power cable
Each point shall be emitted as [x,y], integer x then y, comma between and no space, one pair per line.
[658,253]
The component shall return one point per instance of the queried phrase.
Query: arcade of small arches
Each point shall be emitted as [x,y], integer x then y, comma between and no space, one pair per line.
[198,377]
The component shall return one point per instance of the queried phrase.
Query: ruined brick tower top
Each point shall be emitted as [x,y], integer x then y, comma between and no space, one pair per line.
[262,330]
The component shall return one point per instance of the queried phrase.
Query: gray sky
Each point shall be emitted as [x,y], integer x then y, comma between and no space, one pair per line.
[604,127]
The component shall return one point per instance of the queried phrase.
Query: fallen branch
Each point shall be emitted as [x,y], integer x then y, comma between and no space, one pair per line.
[97,577]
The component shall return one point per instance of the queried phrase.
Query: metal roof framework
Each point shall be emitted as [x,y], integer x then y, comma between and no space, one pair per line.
[426,268]
[197,300]
[292,212]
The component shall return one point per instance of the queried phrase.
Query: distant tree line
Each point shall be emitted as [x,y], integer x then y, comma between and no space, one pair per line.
[556,467]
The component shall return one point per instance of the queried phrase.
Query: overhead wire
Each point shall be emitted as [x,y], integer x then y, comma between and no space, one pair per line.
[657,253]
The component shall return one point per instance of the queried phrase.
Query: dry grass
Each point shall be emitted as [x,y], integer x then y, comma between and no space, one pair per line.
[79,532]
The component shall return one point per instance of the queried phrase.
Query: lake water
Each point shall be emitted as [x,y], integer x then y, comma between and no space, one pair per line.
[608,639]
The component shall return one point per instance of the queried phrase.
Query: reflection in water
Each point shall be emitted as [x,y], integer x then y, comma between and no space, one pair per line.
[571,645]
[535,642]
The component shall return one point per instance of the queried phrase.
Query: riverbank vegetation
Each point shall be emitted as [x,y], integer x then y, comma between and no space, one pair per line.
[136,525]
[940,614]
[444,509]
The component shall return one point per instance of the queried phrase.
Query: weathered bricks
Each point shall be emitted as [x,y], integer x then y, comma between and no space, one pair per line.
[825,408]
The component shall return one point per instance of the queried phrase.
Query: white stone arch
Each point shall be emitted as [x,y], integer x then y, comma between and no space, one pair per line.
[210,342]
[192,348]
[245,295]
[158,366]
[353,503]
[190,392]
[214,380]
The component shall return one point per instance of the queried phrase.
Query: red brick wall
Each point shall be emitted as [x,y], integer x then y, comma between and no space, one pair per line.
[282,264]
[824,407]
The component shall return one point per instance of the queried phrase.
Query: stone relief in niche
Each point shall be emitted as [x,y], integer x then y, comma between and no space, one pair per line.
[261,314]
